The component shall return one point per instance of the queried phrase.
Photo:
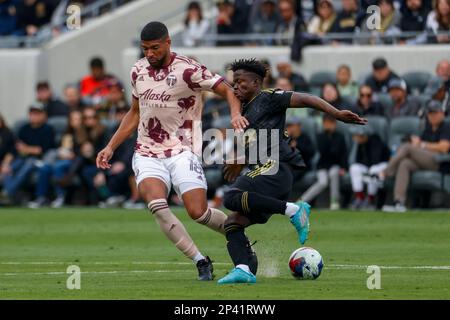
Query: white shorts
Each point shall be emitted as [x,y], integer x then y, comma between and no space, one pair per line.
[184,171]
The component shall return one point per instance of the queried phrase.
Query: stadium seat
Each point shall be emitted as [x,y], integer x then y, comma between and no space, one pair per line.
[401,128]
[59,124]
[416,81]
[385,100]
[426,180]
[319,78]
[380,126]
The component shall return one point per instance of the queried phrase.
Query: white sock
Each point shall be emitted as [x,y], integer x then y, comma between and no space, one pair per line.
[244,267]
[291,209]
[198,256]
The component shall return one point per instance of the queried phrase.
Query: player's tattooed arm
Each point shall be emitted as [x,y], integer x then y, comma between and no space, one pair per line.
[126,128]
[304,100]
[238,121]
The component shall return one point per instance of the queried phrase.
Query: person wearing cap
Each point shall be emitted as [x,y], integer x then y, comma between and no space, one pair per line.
[332,163]
[34,140]
[55,107]
[404,105]
[418,154]
[372,155]
[380,77]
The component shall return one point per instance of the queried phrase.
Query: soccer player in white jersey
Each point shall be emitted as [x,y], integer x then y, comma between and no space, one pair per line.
[166,105]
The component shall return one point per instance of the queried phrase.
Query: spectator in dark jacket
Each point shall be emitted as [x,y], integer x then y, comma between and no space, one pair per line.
[284,69]
[55,107]
[372,155]
[8,17]
[414,16]
[332,163]
[226,22]
[34,140]
[33,14]
[365,105]
[112,185]
[404,105]
[347,19]
[380,77]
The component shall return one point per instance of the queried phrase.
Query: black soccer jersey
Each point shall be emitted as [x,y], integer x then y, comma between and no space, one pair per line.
[268,111]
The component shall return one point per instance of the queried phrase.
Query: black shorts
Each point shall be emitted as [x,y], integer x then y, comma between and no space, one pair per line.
[272,180]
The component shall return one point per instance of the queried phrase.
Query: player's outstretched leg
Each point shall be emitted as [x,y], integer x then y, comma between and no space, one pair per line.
[176,232]
[253,202]
[241,254]
[299,216]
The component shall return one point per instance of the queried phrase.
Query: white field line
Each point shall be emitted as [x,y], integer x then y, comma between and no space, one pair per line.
[330,266]
[111,263]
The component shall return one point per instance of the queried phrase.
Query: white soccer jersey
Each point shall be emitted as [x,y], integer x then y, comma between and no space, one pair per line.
[170,103]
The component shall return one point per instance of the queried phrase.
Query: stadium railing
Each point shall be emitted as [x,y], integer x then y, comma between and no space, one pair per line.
[350,38]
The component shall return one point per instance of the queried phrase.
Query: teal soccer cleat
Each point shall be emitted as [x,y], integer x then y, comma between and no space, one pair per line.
[238,275]
[300,220]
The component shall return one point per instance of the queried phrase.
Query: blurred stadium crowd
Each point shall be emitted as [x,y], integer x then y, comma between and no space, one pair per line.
[402,156]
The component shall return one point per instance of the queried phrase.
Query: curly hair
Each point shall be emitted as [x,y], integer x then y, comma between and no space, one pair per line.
[250,65]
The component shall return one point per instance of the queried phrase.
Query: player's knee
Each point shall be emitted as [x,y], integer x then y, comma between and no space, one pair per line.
[232,200]
[196,212]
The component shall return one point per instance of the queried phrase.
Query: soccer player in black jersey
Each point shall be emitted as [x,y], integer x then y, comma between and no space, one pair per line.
[261,192]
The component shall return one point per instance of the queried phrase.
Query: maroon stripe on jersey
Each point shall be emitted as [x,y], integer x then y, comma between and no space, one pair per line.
[218,82]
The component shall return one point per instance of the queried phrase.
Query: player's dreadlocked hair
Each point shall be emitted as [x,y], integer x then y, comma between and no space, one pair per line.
[251,65]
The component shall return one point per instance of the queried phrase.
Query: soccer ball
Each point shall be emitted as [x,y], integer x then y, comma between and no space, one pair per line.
[305,263]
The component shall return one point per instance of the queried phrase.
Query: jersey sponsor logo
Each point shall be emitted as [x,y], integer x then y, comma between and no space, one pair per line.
[150,95]
[171,80]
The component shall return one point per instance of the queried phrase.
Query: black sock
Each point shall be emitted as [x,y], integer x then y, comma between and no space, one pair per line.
[237,247]
[257,203]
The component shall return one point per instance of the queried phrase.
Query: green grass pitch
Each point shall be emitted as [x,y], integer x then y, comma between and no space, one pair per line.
[123,255]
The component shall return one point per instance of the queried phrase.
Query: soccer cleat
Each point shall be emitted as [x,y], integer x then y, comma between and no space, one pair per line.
[300,220]
[205,269]
[237,275]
